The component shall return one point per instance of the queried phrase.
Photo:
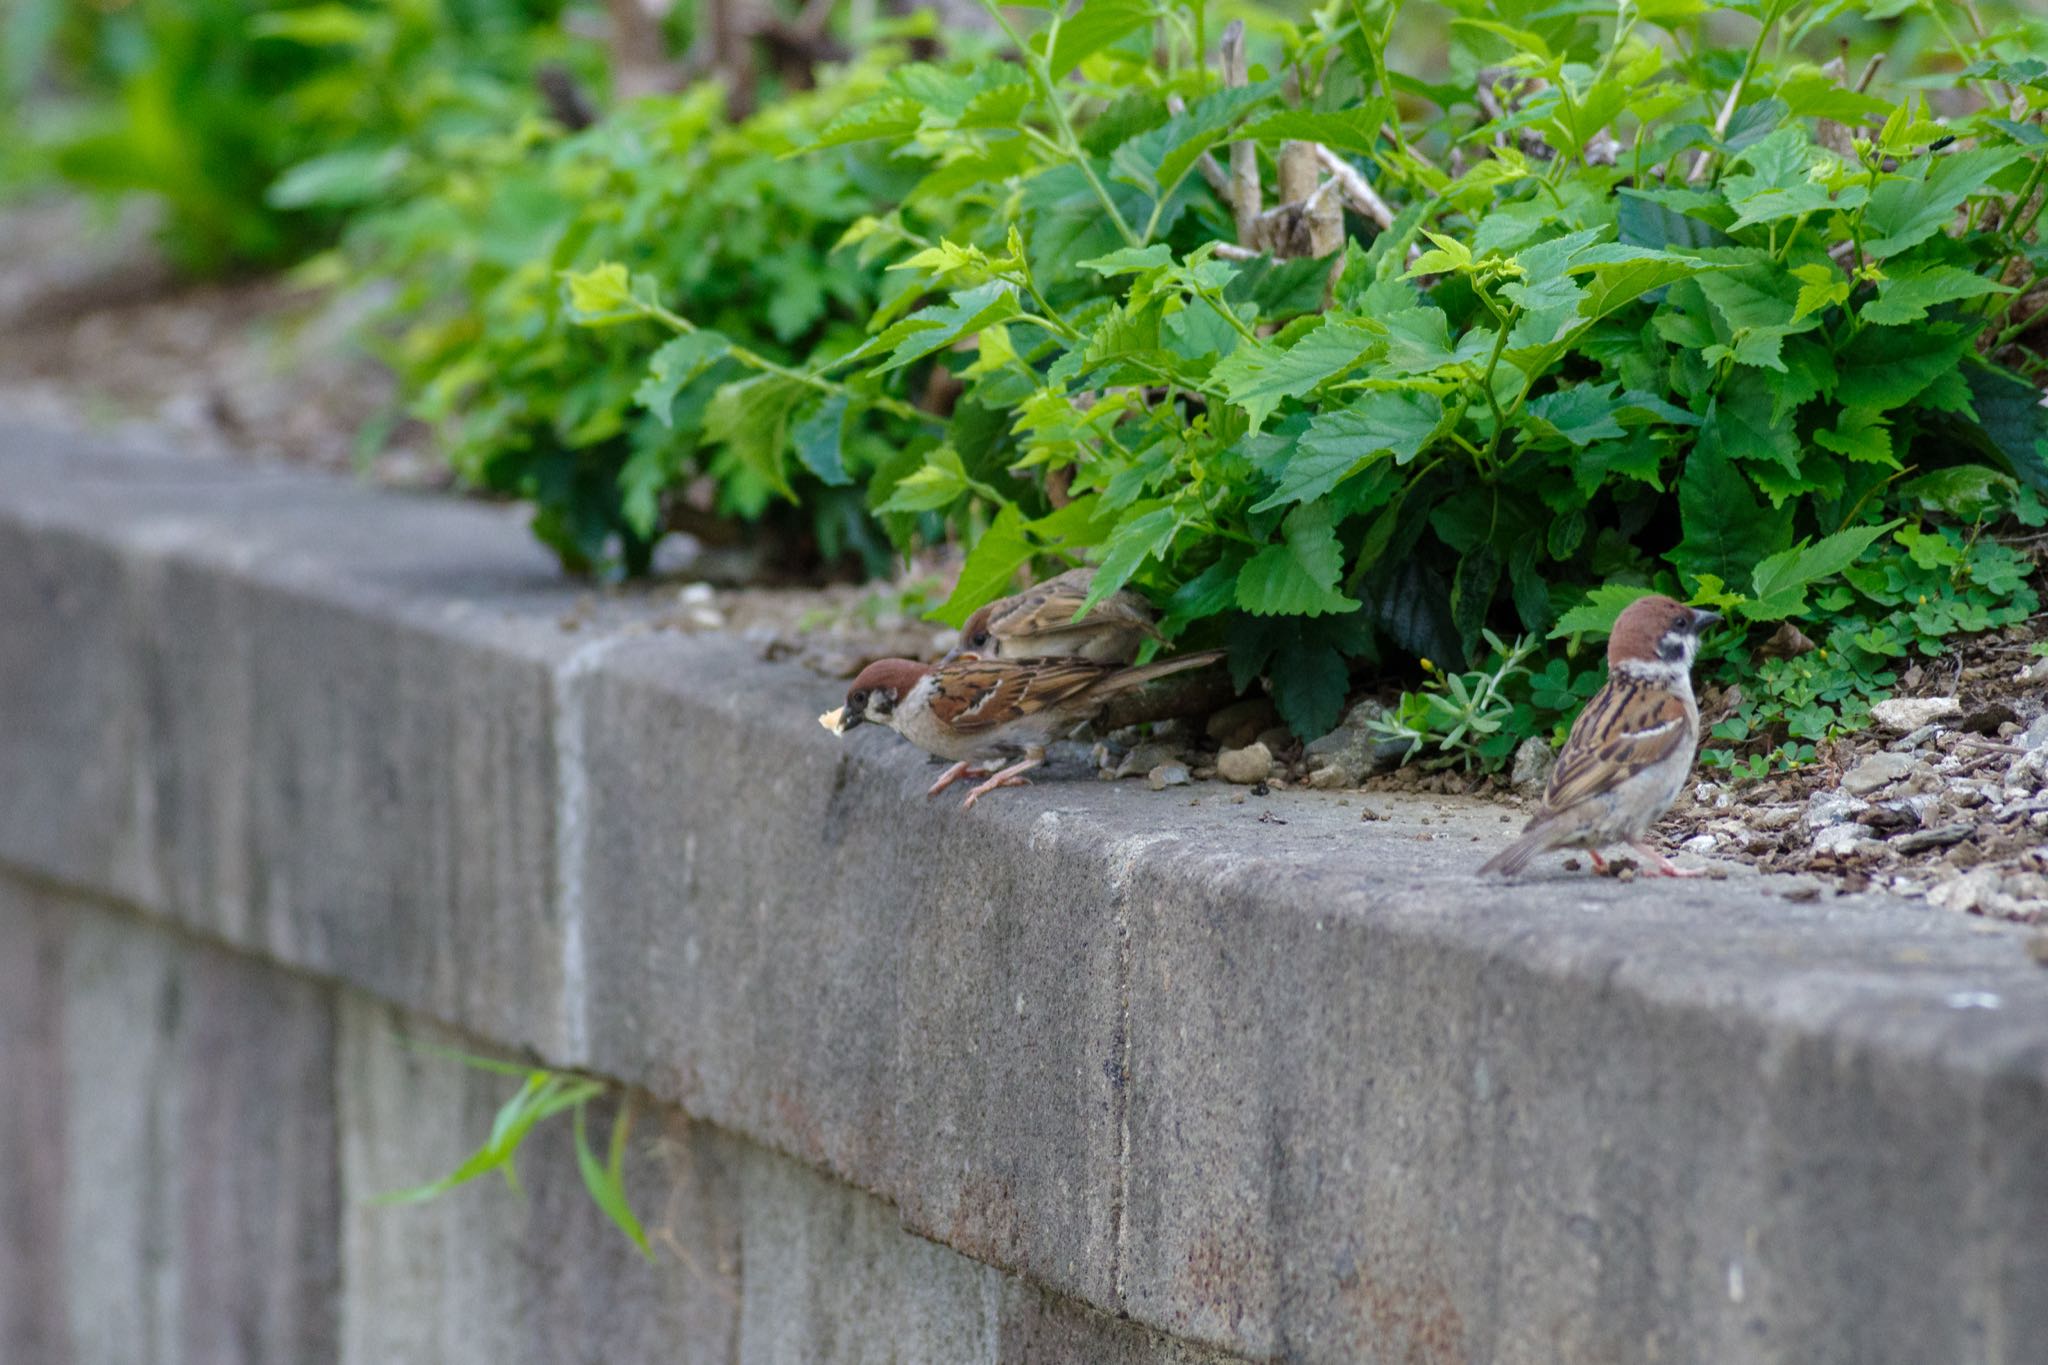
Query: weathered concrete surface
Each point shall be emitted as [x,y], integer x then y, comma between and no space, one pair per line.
[222,711]
[1256,1074]
[168,1188]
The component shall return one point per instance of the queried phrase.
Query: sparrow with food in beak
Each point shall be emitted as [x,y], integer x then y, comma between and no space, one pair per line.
[1630,749]
[979,712]
[1039,623]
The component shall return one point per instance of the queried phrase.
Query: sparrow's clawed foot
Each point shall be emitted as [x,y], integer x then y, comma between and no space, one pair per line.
[1008,777]
[1665,867]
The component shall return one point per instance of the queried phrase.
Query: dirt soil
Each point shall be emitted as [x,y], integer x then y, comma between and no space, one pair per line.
[95,332]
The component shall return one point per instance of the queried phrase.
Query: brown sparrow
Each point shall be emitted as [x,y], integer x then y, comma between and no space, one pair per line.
[1630,749]
[977,711]
[1039,623]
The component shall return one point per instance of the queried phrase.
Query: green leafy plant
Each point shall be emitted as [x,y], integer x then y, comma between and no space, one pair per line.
[1672,319]
[569,398]
[253,125]
[1466,716]
[542,1095]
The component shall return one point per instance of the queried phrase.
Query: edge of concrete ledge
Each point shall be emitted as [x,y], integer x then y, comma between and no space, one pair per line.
[1252,1074]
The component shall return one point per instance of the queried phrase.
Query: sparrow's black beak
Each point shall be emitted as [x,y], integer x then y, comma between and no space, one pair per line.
[851,719]
[1702,619]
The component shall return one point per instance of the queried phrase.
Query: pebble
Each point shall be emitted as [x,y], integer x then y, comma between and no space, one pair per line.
[1777,817]
[1329,779]
[1354,750]
[1167,775]
[1878,770]
[1903,715]
[1941,836]
[2035,672]
[1146,758]
[1840,840]
[1534,758]
[1975,890]
[1832,808]
[1253,763]
[1701,844]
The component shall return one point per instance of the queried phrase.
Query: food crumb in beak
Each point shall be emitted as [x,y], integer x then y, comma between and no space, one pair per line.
[834,720]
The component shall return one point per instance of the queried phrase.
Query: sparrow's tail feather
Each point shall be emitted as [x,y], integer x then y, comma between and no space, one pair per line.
[1512,859]
[1159,668]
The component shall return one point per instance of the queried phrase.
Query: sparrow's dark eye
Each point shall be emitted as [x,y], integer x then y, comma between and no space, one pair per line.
[980,640]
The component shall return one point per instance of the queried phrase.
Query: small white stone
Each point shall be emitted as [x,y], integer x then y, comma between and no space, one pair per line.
[1167,775]
[1832,808]
[1878,770]
[1701,843]
[1840,840]
[1903,715]
[1253,763]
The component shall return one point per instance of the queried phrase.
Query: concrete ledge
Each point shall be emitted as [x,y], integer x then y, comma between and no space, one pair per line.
[1302,1090]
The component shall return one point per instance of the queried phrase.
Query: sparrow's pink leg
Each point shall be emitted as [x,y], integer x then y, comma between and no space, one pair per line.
[1664,864]
[952,775]
[1008,777]
[1599,863]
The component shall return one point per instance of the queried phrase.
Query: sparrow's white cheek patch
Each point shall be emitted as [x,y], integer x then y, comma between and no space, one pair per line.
[834,720]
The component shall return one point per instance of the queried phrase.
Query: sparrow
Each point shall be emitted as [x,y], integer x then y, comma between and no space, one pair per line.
[1630,749]
[979,711]
[1039,623]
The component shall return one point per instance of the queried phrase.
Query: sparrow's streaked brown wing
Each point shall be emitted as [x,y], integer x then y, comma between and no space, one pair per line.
[1048,608]
[1629,725]
[975,695]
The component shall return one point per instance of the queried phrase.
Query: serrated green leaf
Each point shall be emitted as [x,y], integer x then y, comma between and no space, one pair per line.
[1885,368]
[1093,27]
[818,437]
[1580,414]
[1596,615]
[1357,129]
[750,417]
[1905,211]
[939,482]
[1780,581]
[990,568]
[1143,534]
[887,116]
[1906,297]
[673,366]
[1740,426]
[1299,576]
[1861,435]
[1392,424]
[1419,342]
[1258,377]
[1726,530]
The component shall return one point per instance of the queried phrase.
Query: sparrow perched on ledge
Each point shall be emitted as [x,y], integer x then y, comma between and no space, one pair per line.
[1039,623]
[1630,749]
[978,711]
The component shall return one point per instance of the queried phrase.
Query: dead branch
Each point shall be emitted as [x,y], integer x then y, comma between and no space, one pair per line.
[1356,190]
[1244,155]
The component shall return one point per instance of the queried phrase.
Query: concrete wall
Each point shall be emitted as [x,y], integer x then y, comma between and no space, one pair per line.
[1088,1073]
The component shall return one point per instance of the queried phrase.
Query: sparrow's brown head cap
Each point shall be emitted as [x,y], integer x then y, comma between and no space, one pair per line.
[1649,624]
[879,687]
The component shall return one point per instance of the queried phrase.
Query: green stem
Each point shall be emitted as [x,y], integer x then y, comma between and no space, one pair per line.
[2018,235]
[754,360]
[1069,145]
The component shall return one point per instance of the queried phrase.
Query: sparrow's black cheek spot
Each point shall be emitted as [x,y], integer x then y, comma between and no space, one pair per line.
[1672,650]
